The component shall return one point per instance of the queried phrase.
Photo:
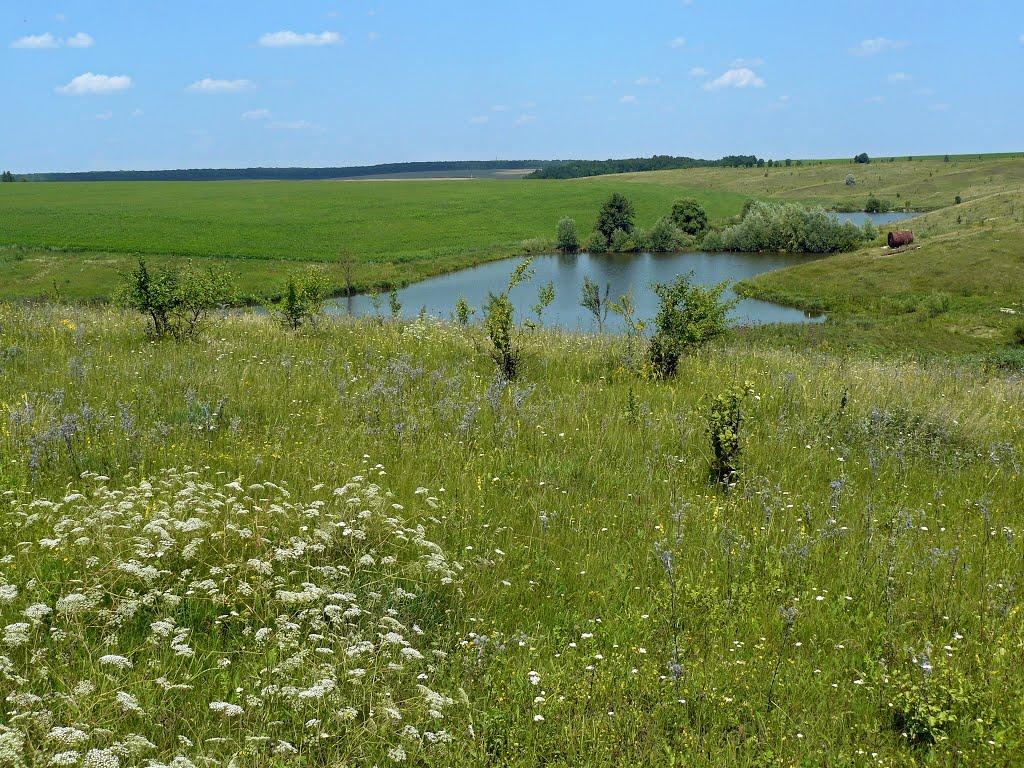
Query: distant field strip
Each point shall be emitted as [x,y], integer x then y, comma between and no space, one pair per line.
[393,222]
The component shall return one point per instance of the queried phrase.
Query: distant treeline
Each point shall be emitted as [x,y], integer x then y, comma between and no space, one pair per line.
[243,174]
[574,169]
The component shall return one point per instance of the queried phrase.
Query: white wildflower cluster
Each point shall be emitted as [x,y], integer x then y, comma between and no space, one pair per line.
[196,621]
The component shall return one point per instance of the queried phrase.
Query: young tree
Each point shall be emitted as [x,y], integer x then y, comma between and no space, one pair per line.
[499,322]
[689,215]
[566,237]
[592,300]
[394,304]
[689,316]
[463,311]
[303,299]
[616,213]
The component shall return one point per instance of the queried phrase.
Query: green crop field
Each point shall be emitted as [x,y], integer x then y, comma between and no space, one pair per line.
[398,231]
[353,545]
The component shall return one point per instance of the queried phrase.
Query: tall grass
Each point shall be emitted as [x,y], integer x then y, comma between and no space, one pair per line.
[853,600]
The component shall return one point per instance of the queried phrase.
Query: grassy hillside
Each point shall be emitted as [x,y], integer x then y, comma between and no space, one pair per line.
[397,230]
[921,183]
[959,289]
[578,593]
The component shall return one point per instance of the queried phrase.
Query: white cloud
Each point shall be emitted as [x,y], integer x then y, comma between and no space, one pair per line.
[647,81]
[479,119]
[740,77]
[529,104]
[748,63]
[288,39]
[373,36]
[939,107]
[89,83]
[874,100]
[137,113]
[80,40]
[104,115]
[899,77]
[698,72]
[47,40]
[677,42]
[499,108]
[525,119]
[876,45]
[628,99]
[209,85]
[36,42]
[256,114]
[1021,39]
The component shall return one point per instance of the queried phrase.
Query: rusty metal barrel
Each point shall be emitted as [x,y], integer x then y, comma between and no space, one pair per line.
[900,238]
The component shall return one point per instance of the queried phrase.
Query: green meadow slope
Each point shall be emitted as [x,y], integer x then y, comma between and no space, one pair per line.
[353,545]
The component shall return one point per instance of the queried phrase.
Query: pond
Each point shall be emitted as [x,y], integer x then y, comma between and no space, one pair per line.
[621,271]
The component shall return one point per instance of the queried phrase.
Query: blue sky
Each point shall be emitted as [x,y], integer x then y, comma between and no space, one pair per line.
[111,84]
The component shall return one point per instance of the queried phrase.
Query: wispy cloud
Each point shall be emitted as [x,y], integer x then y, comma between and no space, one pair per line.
[90,84]
[288,39]
[479,119]
[876,45]
[628,99]
[499,108]
[526,119]
[80,40]
[939,107]
[210,85]
[677,42]
[757,61]
[47,40]
[874,100]
[647,81]
[899,77]
[698,72]
[256,114]
[36,42]
[104,115]
[741,77]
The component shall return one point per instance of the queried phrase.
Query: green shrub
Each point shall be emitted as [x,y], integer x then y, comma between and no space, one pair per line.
[688,317]
[876,205]
[303,299]
[566,237]
[621,242]
[724,420]
[689,216]
[175,301]
[394,305]
[665,236]
[775,227]
[596,242]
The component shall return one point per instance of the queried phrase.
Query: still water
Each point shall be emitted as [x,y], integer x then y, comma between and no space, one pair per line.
[621,271]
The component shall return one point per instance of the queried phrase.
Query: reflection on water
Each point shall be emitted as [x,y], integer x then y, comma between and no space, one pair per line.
[621,271]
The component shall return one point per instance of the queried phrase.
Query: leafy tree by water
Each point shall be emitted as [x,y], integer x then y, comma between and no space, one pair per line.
[566,237]
[394,305]
[616,214]
[876,205]
[689,215]
[175,301]
[688,317]
[463,311]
